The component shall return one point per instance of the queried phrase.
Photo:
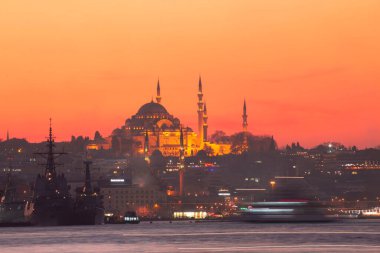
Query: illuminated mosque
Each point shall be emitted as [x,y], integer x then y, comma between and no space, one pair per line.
[154,128]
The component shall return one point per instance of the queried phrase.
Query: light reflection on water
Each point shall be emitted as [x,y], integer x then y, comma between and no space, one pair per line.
[347,236]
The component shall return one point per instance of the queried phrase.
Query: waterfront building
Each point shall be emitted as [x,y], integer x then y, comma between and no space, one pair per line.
[119,196]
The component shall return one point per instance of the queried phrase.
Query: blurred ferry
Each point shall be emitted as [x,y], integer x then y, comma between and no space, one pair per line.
[291,200]
[284,211]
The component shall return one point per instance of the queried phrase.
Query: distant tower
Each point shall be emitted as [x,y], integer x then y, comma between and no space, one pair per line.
[205,126]
[200,112]
[158,97]
[181,168]
[87,189]
[7,135]
[272,144]
[245,129]
[245,116]
[146,146]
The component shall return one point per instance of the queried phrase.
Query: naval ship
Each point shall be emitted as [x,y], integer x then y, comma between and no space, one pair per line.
[88,206]
[11,210]
[51,203]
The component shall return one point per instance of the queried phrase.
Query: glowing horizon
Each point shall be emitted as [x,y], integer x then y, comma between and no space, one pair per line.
[307,69]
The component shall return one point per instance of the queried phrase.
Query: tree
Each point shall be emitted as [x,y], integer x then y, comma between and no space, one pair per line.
[208,150]
[219,137]
[157,162]
[127,145]
[237,142]
[116,145]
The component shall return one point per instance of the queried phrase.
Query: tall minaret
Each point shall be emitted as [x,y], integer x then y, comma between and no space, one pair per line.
[205,126]
[146,146]
[158,97]
[181,169]
[245,129]
[87,189]
[245,116]
[200,112]
[7,135]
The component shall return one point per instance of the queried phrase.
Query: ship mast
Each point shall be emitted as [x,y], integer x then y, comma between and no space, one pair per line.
[50,155]
[50,165]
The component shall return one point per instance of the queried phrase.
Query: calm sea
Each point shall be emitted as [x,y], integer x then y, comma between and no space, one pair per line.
[344,236]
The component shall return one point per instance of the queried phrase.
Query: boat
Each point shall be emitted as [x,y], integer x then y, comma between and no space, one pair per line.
[373,213]
[129,217]
[11,210]
[88,206]
[291,200]
[51,204]
[284,211]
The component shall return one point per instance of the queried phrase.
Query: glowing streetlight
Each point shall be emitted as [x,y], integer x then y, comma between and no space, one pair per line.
[272,184]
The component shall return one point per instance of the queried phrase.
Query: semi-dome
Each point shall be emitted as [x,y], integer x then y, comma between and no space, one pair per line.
[152,108]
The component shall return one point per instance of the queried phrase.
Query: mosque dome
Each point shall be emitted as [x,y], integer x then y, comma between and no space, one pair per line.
[152,108]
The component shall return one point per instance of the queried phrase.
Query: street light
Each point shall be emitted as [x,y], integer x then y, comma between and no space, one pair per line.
[272,184]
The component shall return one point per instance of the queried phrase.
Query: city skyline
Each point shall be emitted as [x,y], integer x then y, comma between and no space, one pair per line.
[308,72]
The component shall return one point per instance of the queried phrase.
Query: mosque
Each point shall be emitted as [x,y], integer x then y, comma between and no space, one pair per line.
[154,128]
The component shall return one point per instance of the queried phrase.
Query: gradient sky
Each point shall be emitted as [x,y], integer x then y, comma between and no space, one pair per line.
[309,69]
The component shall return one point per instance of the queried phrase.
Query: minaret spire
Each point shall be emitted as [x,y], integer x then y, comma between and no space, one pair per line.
[87,186]
[200,112]
[245,116]
[245,129]
[181,169]
[7,135]
[146,146]
[200,85]
[205,126]
[158,96]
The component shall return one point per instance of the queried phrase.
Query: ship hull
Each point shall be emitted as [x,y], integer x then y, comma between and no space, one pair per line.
[12,215]
[88,217]
[50,213]
[284,218]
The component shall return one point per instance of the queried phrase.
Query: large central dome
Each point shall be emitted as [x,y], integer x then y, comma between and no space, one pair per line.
[152,108]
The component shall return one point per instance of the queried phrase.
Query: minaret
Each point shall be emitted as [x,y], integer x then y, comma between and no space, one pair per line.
[245,129]
[272,144]
[205,126]
[158,96]
[146,146]
[200,112]
[87,189]
[7,135]
[245,116]
[181,169]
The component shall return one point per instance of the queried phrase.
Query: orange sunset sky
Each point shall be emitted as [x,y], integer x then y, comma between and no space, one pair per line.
[309,69]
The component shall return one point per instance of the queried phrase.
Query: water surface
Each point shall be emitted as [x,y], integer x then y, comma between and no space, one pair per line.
[345,236]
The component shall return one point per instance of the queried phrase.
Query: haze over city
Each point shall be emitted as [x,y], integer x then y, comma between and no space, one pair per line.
[308,72]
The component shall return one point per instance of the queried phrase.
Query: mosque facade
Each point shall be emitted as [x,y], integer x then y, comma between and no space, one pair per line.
[154,128]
